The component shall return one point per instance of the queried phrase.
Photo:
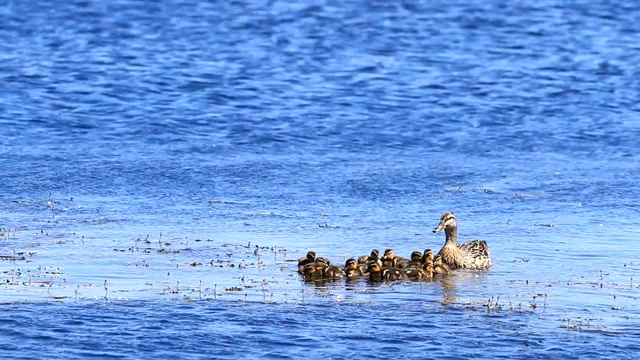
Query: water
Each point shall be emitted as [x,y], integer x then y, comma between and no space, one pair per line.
[147,147]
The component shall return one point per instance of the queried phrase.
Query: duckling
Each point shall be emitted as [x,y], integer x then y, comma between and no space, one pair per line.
[470,255]
[424,272]
[416,256]
[310,272]
[391,260]
[321,264]
[333,272]
[428,257]
[428,253]
[310,258]
[428,270]
[364,259]
[323,261]
[352,269]
[392,274]
[375,270]
[439,266]
[415,262]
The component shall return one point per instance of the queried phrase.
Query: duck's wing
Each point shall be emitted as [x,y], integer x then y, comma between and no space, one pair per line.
[475,248]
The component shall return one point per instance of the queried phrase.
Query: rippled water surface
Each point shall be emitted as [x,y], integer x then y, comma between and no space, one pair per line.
[163,164]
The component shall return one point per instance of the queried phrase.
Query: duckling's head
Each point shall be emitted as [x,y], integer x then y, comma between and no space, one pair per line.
[351,264]
[447,221]
[429,258]
[322,261]
[416,256]
[311,255]
[388,253]
[438,261]
[375,254]
[428,254]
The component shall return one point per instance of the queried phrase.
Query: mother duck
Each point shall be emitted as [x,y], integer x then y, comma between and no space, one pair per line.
[470,255]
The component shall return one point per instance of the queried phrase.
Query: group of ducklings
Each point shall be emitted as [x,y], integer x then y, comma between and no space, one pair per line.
[472,255]
[389,267]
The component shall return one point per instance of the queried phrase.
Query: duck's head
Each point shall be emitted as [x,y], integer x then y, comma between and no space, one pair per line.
[416,256]
[311,255]
[351,264]
[388,254]
[375,254]
[447,221]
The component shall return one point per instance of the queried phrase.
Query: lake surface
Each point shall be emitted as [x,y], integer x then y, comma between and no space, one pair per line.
[163,164]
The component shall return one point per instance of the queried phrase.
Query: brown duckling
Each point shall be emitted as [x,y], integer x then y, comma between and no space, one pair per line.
[389,259]
[310,272]
[352,268]
[428,270]
[440,267]
[375,270]
[392,273]
[310,258]
[321,270]
[322,261]
[321,264]
[333,272]
[428,253]
[415,262]
[425,272]
[364,259]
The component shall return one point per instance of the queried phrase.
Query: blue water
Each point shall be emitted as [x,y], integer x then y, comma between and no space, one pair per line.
[146,148]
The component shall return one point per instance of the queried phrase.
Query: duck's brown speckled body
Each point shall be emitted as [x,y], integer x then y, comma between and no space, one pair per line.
[470,255]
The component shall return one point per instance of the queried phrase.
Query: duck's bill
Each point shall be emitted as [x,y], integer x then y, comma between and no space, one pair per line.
[438,228]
